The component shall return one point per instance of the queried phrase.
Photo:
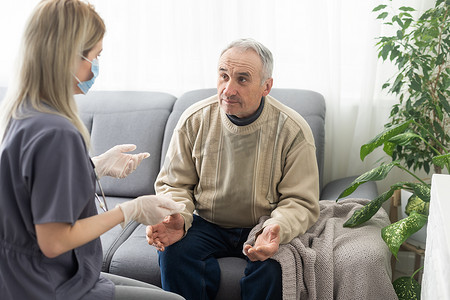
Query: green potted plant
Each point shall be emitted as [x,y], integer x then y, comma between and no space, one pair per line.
[416,137]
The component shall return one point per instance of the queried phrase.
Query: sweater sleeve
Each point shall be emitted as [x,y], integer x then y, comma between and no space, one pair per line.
[298,206]
[178,175]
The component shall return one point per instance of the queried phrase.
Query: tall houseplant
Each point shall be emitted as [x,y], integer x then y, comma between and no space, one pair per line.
[416,137]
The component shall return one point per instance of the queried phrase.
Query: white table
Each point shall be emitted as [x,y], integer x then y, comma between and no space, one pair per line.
[436,275]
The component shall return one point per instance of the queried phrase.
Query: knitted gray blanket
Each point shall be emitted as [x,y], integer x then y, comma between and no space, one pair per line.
[333,262]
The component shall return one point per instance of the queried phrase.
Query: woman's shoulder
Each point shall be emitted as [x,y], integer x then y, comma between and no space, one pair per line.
[38,128]
[44,121]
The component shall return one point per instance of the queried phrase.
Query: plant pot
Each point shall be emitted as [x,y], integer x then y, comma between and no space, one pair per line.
[417,239]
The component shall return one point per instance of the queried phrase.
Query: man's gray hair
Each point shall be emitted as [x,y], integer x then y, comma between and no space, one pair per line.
[260,49]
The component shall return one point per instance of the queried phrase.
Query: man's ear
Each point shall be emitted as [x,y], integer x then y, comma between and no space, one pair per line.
[267,86]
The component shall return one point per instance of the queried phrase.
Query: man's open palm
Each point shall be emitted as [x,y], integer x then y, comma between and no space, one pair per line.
[266,244]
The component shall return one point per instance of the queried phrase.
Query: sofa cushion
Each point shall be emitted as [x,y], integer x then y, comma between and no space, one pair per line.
[139,120]
[136,259]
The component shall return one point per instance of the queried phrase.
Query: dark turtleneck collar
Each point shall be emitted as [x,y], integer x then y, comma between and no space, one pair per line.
[248,120]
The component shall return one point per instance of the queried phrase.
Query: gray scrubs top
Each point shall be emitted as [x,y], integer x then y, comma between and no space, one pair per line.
[46,176]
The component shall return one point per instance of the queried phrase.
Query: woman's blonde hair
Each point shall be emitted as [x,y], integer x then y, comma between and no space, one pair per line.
[56,35]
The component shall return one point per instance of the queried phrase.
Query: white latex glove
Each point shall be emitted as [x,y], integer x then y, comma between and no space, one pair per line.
[116,163]
[150,209]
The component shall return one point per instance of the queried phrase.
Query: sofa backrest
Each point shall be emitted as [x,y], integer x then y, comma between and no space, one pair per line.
[309,104]
[148,119]
[127,117]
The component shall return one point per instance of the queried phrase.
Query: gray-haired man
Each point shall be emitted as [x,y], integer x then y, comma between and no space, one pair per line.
[234,158]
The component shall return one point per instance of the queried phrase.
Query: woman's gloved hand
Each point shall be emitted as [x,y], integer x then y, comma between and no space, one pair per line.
[150,209]
[116,163]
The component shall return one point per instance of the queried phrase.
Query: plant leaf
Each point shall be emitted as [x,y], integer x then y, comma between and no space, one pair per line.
[398,20]
[421,190]
[379,7]
[388,148]
[441,160]
[382,15]
[386,49]
[407,21]
[407,288]
[367,211]
[395,234]
[444,102]
[441,58]
[418,205]
[406,8]
[375,174]
[383,137]
[403,139]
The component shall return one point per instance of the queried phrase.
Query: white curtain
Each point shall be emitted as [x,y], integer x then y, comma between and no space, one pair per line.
[173,46]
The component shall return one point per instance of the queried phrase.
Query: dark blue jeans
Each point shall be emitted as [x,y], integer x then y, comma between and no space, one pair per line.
[190,268]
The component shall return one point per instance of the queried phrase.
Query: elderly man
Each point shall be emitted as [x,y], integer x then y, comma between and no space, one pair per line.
[234,158]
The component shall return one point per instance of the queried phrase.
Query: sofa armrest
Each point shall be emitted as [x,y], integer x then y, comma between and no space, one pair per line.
[334,188]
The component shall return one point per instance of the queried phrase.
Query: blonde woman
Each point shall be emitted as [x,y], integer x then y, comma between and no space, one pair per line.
[49,226]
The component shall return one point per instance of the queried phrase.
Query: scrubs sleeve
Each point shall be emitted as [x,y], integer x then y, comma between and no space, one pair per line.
[59,176]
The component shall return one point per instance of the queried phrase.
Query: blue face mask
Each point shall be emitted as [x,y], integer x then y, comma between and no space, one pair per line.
[86,85]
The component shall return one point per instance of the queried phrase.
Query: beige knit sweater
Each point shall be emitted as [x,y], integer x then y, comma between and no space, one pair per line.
[232,175]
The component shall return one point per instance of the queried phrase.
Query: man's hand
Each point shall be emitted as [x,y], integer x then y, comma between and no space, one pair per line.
[266,244]
[164,234]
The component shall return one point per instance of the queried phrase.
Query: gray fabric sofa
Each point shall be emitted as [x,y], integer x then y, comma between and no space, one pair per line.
[147,119]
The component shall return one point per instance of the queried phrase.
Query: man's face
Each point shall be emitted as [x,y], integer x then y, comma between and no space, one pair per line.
[239,82]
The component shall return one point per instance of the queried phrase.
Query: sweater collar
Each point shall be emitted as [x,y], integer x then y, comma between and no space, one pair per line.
[248,120]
